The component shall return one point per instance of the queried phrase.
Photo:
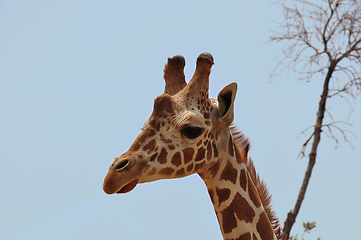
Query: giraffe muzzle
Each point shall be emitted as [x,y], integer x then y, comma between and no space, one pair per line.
[124,175]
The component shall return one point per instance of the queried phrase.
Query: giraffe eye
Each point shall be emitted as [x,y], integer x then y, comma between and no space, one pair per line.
[192,132]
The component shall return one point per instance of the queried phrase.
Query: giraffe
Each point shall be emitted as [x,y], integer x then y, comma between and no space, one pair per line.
[188,133]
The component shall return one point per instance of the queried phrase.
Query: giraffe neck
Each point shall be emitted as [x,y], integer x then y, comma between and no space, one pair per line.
[235,197]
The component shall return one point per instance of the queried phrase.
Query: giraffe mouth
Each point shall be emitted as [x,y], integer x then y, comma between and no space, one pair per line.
[129,187]
[125,178]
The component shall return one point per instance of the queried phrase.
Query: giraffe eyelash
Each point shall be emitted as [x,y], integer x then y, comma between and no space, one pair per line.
[181,119]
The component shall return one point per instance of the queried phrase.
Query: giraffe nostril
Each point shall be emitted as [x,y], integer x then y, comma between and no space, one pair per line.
[122,165]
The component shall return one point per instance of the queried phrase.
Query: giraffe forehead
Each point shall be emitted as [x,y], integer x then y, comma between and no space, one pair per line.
[187,117]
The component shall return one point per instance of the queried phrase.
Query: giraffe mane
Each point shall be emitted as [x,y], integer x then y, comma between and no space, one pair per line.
[243,145]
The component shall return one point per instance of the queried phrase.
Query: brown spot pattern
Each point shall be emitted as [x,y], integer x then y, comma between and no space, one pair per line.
[200,101]
[148,132]
[223,194]
[240,208]
[136,145]
[229,173]
[149,147]
[165,140]
[253,194]
[190,167]
[162,158]
[188,155]
[229,221]
[200,154]
[215,150]
[176,159]
[151,172]
[264,227]
[167,171]
[153,157]
[246,212]
[209,135]
[180,172]
[214,169]
[243,179]
[207,115]
[198,166]
[246,236]
[155,124]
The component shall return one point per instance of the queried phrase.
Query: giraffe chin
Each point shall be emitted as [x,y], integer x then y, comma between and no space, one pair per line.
[129,187]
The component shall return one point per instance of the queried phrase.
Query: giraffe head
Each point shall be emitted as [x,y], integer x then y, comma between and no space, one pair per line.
[184,133]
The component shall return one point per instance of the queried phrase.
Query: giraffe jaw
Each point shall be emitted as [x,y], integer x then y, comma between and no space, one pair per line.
[129,187]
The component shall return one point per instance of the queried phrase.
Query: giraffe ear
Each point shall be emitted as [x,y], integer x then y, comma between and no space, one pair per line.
[225,112]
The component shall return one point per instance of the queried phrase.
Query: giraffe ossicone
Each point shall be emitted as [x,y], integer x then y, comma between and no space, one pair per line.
[189,133]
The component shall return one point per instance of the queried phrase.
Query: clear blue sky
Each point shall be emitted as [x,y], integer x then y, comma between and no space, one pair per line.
[78,79]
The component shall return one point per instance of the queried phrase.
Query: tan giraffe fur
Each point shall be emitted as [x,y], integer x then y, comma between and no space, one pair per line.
[189,133]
